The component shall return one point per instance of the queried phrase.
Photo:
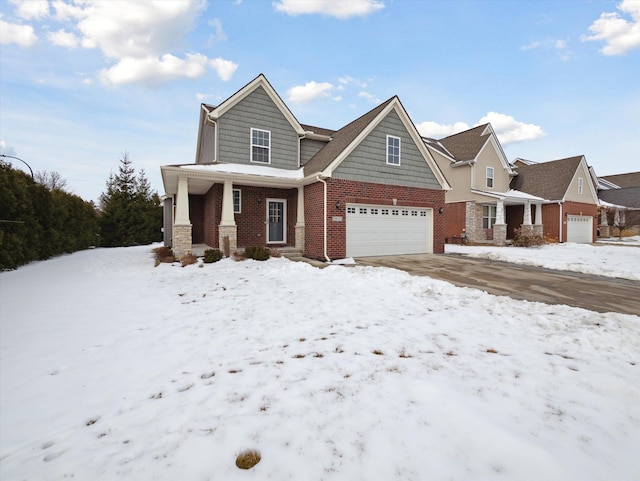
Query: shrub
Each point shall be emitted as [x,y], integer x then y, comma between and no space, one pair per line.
[257,253]
[526,239]
[212,255]
[163,254]
[188,260]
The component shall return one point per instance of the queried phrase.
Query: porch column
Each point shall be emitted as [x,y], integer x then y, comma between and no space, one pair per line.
[527,214]
[603,230]
[182,228]
[227,230]
[500,228]
[300,221]
[537,228]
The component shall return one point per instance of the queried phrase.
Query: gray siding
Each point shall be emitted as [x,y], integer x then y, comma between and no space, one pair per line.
[309,148]
[208,144]
[368,162]
[257,111]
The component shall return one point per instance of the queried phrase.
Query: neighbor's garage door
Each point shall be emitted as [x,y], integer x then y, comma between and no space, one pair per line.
[579,228]
[379,230]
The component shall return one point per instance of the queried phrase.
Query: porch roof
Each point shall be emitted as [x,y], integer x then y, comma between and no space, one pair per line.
[203,176]
[513,197]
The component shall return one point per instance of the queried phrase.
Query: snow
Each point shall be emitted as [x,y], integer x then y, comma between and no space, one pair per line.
[260,170]
[111,368]
[607,258]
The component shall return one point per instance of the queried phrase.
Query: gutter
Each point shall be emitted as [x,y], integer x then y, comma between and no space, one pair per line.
[320,179]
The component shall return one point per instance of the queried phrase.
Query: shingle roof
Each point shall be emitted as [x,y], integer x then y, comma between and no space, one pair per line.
[466,145]
[318,130]
[632,179]
[627,196]
[341,139]
[549,180]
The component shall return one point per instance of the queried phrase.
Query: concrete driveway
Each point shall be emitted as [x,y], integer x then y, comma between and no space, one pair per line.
[596,293]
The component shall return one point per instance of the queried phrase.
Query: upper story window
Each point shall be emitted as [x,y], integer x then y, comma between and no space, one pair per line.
[393,150]
[260,146]
[237,201]
[580,185]
[490,177]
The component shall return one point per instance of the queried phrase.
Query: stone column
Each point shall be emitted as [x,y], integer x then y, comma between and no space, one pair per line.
[182,228]
[500,228]
[300,221]
[537,227]
[604,223]
[227,227]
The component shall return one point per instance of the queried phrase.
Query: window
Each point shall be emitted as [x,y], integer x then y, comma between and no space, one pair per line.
[260,146]
[385,211]
[488,216]
[237,205]
[393,150]
[362,210]
[351,210]
[374,211]
[490,177]
[580,185]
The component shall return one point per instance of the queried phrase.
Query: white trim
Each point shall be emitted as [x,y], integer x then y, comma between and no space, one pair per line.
[252,145]
[580,185]
[492,177]
[239,211]
[399,139]
[284,221]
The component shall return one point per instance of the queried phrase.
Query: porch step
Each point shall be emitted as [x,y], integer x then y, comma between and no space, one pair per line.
[290,252]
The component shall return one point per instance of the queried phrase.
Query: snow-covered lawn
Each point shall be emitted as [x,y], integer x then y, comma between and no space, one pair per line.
[610,258]
[113,369]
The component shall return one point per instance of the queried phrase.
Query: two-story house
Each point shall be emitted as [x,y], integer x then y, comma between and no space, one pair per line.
[262,178]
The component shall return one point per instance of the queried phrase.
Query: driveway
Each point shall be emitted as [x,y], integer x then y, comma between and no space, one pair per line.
[596,293]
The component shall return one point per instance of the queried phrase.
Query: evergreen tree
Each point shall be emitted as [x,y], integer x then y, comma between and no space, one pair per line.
[131,212]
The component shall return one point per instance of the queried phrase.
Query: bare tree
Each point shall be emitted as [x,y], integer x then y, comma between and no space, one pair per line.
[51,180]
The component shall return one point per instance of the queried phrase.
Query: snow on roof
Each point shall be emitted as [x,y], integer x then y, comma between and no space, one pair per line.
[260,170]
[522,195]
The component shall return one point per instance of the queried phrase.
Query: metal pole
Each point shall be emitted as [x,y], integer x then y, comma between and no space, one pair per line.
[17,158]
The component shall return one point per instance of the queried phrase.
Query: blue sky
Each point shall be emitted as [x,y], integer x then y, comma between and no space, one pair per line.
[83,82]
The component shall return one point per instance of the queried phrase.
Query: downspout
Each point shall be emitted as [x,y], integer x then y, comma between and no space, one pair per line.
[318,178]
[561,224]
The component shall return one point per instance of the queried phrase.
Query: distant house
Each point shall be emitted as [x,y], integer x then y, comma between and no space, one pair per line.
[619,196]
[570,210]
[482,196]
[262,178]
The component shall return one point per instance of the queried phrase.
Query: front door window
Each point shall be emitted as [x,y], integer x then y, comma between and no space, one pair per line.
[276,216]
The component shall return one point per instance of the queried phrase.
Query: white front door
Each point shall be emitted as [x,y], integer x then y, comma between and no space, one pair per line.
[276,221]
[379,230]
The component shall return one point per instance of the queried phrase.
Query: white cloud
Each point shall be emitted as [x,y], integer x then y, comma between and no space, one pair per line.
[333,8]
[63,38]
[437,131]
[510,130]
[31,9]
[620,34]
[309,91]
[141,39]
[507,129]
[531,45]
[22,35]
[6,149]
[369,97]
[218,34]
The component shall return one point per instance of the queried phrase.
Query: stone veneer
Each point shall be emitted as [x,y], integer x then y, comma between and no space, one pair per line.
[181,240]
[230,231]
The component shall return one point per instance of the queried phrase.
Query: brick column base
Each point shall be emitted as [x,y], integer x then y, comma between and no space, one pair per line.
[300,238]
[230,231]
[500,234]
[181,240]
[604,231]
[527,229]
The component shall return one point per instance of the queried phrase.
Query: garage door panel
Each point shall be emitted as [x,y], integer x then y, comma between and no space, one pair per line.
[385,230]
[579,228]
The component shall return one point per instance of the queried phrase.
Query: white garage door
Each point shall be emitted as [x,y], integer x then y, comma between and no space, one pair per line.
[579,228]
[379,230]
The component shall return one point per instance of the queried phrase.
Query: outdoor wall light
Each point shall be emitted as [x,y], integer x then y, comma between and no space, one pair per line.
[338,205]
[440,210]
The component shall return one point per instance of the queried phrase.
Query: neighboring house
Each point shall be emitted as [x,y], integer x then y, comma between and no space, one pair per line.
[570,210]
[619,196]
[480,175]
[262,178]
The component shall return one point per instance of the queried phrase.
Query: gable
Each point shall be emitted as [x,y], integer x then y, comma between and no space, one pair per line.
[256,110]
[367,162]
[588,195]
[491,155]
